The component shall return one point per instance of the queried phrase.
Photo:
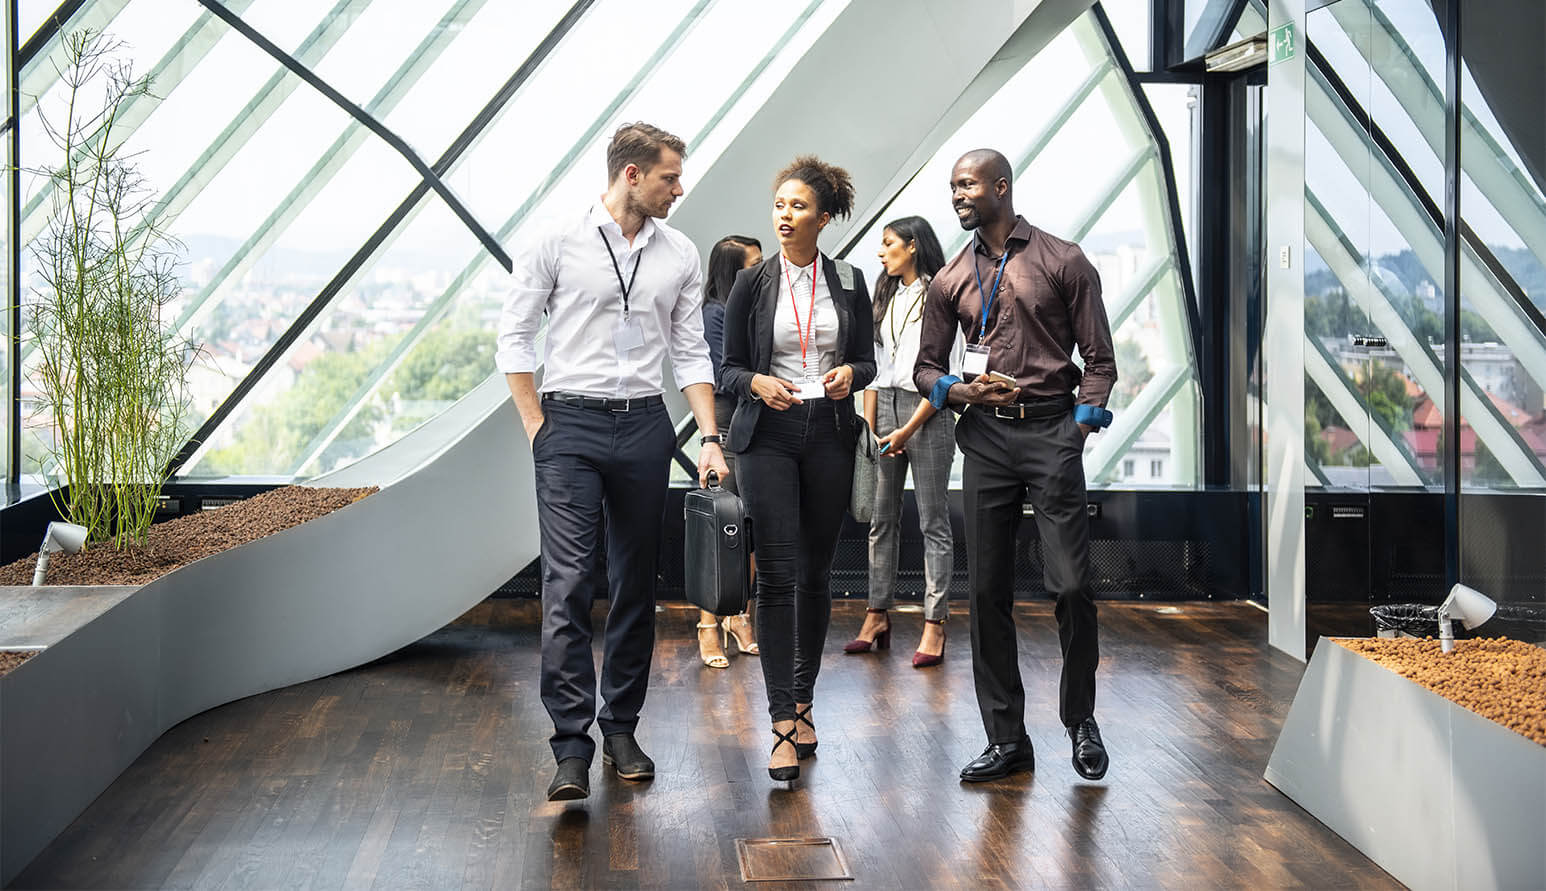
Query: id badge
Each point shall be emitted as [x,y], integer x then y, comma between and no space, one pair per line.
[811,388]
[628,336]
[975,362]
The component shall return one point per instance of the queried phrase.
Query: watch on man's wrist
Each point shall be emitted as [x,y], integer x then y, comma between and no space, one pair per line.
[716,438]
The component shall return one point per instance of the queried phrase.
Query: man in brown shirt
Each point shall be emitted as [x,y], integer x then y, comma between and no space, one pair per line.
[1022,441]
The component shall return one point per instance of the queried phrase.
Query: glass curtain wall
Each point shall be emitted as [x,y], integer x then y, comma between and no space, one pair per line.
[1374,313]
[1503,293]
[408,332]
[1087,169]
[339,303]
[8,15]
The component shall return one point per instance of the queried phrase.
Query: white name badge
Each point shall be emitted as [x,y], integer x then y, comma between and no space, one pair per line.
[811,388]
[975,361]
[628,336]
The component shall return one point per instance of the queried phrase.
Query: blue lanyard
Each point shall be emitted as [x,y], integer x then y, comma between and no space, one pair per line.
[988,298]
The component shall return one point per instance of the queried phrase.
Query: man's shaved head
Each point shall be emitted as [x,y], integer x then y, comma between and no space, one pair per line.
[990,165]
[981,188]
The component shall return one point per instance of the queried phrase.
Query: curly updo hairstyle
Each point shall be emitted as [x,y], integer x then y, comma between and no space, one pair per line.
[833,186]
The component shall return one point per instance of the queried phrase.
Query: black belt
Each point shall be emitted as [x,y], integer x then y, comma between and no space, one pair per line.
[599,403]
[1043,407]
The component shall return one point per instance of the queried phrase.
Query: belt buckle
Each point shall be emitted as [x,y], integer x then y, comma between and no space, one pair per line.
[627,406]
[1009,412]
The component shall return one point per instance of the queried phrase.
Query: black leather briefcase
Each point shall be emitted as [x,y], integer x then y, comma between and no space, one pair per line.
[718,556]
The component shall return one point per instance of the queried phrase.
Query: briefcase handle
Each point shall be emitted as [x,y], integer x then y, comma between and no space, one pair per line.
[714,479]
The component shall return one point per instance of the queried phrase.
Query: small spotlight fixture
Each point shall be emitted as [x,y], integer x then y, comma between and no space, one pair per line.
[1470,606]
[67,537]
[1238,56]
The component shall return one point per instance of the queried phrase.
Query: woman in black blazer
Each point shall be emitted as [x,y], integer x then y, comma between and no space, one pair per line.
[798,343]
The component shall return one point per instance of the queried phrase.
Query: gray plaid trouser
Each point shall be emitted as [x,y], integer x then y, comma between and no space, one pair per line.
[929,453]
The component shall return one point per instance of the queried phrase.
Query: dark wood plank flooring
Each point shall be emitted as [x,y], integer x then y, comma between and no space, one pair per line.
[428,768]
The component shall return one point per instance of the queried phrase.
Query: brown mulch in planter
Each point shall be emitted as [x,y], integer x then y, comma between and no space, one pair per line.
[1502,680]
[186,539]
[9,659]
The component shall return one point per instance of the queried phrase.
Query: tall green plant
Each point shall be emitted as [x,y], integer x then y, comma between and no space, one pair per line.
[113,377]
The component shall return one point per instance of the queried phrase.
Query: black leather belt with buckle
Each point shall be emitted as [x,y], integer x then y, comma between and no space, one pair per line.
[1036,408]
[598,403]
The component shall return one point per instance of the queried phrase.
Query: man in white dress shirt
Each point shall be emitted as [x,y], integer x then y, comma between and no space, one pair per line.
[621,292]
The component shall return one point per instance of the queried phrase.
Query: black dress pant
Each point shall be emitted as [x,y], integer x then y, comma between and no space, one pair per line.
[588,461]
[795,480]
[1007,463]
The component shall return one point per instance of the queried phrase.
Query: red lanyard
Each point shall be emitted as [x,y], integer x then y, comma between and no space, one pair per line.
[807,333]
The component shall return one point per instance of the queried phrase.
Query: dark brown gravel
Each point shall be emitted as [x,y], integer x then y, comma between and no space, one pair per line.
[9,659]
[186,539]
[1501,680]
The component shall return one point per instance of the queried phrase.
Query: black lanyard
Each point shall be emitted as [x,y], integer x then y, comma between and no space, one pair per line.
[896,339]
[626,287]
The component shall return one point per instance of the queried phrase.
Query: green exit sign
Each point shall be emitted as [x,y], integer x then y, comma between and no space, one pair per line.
[1280,44]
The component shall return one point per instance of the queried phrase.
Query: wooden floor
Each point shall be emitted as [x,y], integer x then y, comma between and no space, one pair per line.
[427,769]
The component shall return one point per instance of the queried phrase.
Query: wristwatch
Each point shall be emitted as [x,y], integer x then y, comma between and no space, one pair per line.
[716,438]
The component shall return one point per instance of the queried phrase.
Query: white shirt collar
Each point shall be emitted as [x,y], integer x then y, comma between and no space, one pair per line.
[799,273]
[601,217]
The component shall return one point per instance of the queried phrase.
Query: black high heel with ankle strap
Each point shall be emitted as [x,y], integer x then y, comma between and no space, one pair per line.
[792,772]
[805,750]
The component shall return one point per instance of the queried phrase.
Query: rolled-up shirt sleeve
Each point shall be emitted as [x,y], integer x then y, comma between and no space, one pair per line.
[689,351]
[534,274]
[1092,331]
[936,340]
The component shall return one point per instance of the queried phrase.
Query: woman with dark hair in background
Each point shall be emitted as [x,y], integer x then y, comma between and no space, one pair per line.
[911,433]
[798,342]
[729,256]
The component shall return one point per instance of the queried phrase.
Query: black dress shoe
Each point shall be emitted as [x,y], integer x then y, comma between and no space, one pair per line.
[622,753]
[1000,760]
[1089,752]
[571,781]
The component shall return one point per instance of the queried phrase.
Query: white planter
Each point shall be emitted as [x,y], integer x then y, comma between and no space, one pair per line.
[1437,795]
[454,520]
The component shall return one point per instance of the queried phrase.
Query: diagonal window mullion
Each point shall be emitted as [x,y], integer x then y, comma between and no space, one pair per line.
[543,189]
[1325,76]
[1128,303]
[1346,264]
[464,141]
[236,134]
[167,74]
[48,30]
[1385,445]
[1020,165]
[258,110]
[36,77]
[1131,422]
[1499,300]
[380,129]
[332,160]
[756,72]
[1508,188]
[1048,132]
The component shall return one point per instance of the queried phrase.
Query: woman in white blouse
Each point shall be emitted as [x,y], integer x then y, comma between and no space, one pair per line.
[798,343]
[912,433]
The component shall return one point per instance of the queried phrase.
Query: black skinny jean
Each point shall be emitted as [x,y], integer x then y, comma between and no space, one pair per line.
[795,479]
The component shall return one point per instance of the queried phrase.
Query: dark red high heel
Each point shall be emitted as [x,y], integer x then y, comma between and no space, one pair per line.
[882,639]
[925,660]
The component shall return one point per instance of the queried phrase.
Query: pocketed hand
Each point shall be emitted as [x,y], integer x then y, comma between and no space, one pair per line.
[533,427]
